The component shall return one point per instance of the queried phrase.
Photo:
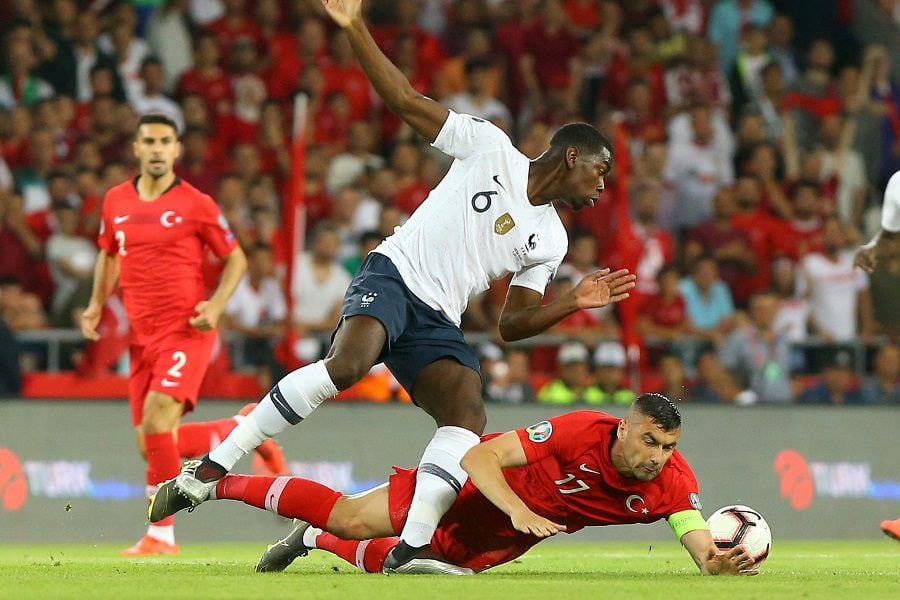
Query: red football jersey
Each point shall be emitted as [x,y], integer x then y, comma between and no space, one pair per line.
[160,246]
[570,479]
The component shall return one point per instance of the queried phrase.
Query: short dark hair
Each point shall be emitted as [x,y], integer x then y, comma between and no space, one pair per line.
[666,269]
[583,136]
[156,119]
[258,247]
[807,183]
[371,235]
[660,409]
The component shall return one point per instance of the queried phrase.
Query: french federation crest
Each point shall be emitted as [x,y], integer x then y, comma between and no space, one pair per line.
[540,432]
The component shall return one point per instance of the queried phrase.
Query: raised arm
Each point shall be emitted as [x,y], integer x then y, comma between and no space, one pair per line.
[523,314]
[423,114]
[485,463]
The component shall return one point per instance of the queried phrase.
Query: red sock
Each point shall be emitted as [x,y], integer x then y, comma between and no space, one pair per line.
[367,555]
[196,439]
[162,463]
[291,497]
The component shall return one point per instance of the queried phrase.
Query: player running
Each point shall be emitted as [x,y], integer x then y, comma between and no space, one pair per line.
[153,231]
[491,215]
[584,468]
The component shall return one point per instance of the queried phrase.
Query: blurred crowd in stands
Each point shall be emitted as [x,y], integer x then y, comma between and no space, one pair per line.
[753,142]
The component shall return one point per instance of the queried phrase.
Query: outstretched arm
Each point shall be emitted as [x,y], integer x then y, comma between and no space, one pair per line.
[711,561]
[423,114]
[524,316]
[485,463]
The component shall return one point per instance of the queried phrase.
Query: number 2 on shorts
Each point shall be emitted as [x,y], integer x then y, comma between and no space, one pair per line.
[180,359]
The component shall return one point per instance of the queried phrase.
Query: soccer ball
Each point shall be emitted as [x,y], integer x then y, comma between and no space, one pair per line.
[739,525]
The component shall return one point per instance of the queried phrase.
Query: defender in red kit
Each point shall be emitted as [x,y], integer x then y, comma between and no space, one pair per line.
[152,233]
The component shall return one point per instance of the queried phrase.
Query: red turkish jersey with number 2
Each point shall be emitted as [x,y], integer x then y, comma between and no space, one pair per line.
[160,247]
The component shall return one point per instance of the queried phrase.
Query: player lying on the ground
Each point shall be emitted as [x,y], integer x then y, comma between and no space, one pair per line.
[576,470]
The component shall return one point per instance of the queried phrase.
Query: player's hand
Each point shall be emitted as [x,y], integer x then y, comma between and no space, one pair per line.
[602,288]
[865,258]
[343,12]
[90,318]
[734,562]
[529,522]
[207,316]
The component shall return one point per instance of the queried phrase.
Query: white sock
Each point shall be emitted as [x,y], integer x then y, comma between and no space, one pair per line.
[309,537]
[438,481]
[292,399]
[165,533]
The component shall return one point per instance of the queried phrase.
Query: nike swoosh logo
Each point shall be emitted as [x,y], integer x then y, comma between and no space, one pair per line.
[168,383]
[118,220]
[497,181]
[587,469]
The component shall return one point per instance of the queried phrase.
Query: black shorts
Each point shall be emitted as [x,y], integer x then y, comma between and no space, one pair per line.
[417,335]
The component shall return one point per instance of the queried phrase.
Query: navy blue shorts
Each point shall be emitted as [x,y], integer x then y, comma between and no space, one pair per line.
[417,335]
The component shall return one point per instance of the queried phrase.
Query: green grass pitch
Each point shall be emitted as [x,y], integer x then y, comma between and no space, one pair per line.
[809,569]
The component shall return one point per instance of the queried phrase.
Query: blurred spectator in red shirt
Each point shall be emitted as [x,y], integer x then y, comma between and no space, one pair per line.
[293,52]
[764,231]
[233,25]
[207,78]
[342,72]
[697,79]
[663,317]
[514,19]
[635,62]
[549,48]
[726,243]
[198,164]
[643,124]
[803,232]
[406,159]
[640,243]
[241,125]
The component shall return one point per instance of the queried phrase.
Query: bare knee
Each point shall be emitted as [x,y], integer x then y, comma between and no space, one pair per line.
[347,524]
[161,413]
[346,370]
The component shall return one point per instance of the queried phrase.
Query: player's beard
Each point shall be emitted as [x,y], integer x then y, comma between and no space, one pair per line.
[157,171]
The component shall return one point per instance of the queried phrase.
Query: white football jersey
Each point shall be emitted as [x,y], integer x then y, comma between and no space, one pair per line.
[477,224]
[890,211]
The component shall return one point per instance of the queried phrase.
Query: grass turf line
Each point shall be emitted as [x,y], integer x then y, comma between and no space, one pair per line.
[809,569]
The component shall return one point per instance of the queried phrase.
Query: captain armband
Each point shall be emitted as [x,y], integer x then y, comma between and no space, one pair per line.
[685,521]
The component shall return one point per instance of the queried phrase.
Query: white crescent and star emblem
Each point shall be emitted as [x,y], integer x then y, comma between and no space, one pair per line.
[169,219]
[633,498]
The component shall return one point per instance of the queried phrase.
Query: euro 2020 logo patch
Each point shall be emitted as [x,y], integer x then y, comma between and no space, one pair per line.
[540,432]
